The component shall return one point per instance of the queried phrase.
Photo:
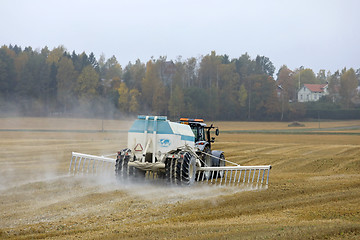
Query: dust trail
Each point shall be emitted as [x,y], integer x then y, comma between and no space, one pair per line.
[8,181]
[56,197]
[163,194]
[158,191]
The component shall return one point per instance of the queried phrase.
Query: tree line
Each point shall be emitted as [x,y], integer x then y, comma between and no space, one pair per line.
[57,82]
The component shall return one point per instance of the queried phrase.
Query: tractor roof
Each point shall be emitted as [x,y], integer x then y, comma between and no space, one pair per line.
[192,121]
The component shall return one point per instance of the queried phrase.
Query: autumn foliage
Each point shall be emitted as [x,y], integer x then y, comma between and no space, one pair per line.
[56,82]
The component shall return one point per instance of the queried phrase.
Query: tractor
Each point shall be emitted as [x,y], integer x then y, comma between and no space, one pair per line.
[203,141]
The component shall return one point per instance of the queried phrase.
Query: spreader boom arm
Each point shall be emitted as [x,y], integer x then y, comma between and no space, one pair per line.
[81,161]
[235,174]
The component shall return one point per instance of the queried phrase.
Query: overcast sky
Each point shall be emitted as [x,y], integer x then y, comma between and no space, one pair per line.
[317,34]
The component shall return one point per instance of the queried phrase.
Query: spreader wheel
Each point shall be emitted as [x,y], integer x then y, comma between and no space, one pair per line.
[121,165]
[185,169]
[170,170]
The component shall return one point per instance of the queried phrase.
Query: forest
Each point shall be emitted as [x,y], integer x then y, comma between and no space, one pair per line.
[58,82]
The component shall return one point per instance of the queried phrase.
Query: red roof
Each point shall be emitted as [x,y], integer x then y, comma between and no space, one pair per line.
[315,87]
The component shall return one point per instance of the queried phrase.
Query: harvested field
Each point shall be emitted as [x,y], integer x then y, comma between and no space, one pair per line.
[314,190]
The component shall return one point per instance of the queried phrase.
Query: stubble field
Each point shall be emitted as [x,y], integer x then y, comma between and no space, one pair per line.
[314,189]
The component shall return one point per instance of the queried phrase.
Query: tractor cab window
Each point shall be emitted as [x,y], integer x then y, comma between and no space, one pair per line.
[198,132]
[201,134]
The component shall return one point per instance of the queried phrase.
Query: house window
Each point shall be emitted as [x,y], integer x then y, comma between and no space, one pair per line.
[307,97]
[301,96]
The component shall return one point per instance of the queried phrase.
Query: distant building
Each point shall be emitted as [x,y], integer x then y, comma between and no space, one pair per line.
[312,92]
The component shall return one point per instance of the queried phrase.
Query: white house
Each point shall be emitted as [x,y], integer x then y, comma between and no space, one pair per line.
[312,92]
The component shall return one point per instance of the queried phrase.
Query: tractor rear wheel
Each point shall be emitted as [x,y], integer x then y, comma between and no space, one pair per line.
[207,161]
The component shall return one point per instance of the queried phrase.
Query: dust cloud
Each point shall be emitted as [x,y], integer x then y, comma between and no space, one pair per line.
[35,184]
[55,197]
[160,192]
[175,194]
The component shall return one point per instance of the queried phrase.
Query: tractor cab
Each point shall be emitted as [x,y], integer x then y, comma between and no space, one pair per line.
[201,132]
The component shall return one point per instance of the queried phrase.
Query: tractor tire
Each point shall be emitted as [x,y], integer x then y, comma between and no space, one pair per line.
[185,169]
[207,162]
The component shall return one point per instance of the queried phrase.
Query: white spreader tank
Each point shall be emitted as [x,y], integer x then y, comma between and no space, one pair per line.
[179,153]
[155,136]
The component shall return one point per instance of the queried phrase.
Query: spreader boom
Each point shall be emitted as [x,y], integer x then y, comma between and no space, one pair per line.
[81,162]
[234,174]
